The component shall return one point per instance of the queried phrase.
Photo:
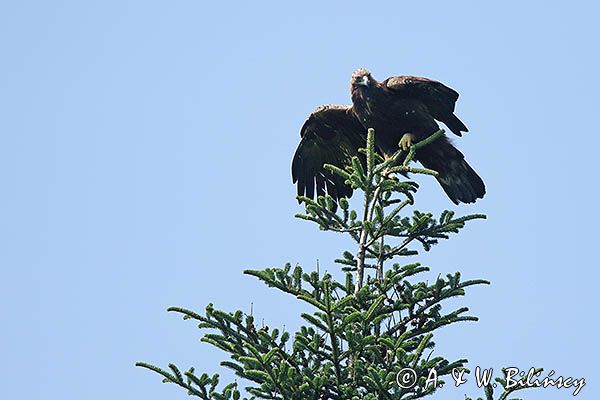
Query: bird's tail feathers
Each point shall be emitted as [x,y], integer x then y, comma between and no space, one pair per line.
[460,182]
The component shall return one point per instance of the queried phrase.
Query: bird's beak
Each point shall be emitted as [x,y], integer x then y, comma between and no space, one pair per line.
[364,81]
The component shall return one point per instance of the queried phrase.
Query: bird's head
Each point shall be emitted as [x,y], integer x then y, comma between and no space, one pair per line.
[361,77]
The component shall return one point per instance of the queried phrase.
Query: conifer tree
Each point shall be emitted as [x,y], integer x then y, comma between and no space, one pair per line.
[370,335]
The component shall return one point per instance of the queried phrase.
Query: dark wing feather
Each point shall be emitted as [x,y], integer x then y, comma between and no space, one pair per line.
[330,135]
[439,98]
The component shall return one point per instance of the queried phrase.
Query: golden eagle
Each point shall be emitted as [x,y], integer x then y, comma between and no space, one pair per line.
[402,110]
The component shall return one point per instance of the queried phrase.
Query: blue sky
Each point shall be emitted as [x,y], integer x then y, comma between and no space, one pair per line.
[145,163]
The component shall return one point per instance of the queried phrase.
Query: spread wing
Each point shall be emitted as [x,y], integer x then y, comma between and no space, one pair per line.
[330,135]
[439,98]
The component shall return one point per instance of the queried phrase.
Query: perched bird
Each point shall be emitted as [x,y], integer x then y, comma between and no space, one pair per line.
[402,110]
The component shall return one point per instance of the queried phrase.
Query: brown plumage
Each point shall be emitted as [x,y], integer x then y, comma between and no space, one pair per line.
[395,107]
[330,135]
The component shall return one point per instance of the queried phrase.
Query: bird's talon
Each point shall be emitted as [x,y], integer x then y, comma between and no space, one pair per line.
[407,141]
